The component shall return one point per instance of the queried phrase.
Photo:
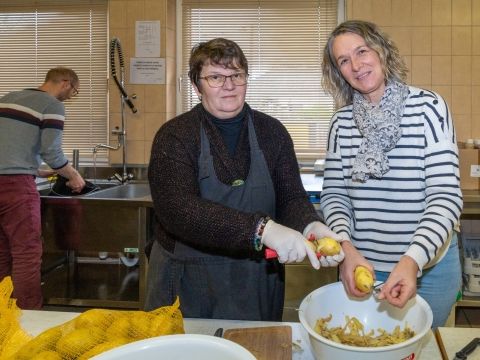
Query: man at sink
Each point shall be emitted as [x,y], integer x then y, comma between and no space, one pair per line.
[31,126]
[225,184]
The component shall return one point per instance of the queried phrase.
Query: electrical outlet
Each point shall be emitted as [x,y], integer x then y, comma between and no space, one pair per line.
[475,170]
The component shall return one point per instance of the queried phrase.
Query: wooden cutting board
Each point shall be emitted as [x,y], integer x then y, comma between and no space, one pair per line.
[265,343]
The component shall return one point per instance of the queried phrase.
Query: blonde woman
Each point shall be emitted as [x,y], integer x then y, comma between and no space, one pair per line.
[391,186]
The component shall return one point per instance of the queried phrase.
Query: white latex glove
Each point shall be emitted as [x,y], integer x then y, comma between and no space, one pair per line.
[320,230]
[289,244]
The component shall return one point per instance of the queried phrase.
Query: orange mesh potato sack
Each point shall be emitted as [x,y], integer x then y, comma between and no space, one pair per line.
[12,335]
[99,330]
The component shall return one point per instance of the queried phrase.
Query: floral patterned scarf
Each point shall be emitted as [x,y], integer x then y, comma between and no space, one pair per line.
[380,128]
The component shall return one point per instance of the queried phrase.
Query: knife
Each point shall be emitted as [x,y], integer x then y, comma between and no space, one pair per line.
[462,354]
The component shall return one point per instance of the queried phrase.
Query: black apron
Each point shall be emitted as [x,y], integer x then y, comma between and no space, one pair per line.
[217,286]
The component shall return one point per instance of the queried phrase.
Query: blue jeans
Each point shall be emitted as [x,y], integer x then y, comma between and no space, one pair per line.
[440,284]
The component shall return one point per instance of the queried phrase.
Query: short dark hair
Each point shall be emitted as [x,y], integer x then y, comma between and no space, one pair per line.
[217,51]
[62,73]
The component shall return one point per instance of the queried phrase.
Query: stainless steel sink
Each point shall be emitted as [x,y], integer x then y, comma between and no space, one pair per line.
[126,191]
[116,219]
[45,189]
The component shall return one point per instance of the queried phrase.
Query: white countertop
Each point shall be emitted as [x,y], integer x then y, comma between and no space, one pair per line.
[34,322]
[455,339]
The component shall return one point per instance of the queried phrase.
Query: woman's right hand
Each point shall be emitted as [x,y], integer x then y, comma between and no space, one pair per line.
[352,259]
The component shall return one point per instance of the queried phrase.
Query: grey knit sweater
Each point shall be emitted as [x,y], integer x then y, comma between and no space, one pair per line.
[181,213]
[31,127]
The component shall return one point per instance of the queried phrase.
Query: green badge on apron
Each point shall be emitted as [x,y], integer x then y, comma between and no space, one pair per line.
[238,182]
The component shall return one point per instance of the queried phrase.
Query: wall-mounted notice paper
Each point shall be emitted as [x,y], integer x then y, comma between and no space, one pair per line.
[147,38]
[147,71]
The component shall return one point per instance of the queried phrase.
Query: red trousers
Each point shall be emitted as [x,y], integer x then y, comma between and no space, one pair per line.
[20,238]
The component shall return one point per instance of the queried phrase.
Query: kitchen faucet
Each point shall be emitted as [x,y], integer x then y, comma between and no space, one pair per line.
[116,49]
[121,137]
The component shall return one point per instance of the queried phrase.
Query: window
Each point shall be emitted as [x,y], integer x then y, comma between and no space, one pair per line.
[283,41]
[38,35]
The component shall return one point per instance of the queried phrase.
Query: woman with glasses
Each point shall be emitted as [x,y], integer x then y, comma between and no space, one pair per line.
[391,186]
[225,184]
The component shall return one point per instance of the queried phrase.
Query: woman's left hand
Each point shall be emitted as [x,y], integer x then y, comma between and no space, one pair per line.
[353,258]
[318,230]
[401,285]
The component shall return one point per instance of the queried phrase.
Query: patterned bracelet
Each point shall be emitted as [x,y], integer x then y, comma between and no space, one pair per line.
[257,239]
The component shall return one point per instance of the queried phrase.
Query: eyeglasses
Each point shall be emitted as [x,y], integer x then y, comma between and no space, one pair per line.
[75,90]
[217,80]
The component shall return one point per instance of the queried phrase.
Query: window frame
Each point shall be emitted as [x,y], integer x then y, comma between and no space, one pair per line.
[62,41]
[305,158]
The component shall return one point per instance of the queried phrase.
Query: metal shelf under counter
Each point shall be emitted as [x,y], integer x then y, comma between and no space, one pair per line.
[471,210]
[471,202]
[93,246]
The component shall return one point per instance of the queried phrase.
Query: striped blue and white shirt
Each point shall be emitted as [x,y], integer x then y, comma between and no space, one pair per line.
[415,207]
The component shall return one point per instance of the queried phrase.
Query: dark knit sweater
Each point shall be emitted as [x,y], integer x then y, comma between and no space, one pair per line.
[181,213]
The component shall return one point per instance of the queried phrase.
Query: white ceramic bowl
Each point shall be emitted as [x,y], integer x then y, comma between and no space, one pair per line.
[179,347]
[373,314]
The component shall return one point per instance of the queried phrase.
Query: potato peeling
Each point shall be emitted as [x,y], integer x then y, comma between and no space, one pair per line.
[353,333]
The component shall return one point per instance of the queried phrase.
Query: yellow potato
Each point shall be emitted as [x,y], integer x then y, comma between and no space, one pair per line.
[162,325]
[95,317]
[140,325]
[5,324]
[363,279]
[328,246]
[44,341]
[120,328]
[47,355]
[100,348]
[79,341]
